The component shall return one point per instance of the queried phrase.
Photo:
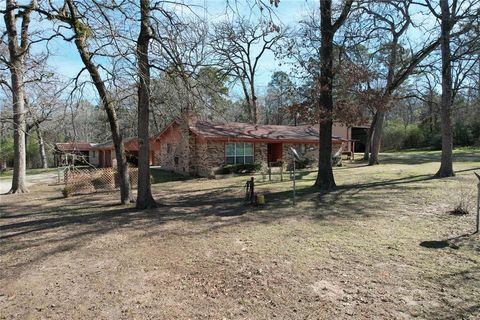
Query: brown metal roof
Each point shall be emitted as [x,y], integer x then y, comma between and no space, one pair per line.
[246,131]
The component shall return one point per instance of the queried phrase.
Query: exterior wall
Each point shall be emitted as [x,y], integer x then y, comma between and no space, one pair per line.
[287,154]
[343,131]
[192,155]
[212,157]
[203,167]
[260,153]
[94,157]
[166,155]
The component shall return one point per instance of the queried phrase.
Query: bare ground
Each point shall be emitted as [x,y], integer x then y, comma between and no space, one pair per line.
[383,246]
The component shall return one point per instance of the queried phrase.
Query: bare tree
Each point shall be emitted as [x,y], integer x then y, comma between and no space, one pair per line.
[84,32]
[456,19]
[239,45]
[18,46]
[144,196]
[387,24]
[328,28]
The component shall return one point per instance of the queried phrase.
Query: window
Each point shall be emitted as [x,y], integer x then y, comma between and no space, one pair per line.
[93,154]
[169,148]
[239,152]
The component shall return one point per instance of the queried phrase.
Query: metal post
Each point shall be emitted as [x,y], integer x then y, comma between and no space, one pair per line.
[478,209]
[477,230]
[252,191]
[294,191]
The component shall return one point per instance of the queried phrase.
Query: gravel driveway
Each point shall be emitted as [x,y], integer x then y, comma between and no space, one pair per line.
[48,177]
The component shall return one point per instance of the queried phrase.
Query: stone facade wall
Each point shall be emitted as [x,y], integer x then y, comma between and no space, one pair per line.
[202,159]
[260,154]
[215,156]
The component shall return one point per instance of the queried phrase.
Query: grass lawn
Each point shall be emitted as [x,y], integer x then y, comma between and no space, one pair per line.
[383,246]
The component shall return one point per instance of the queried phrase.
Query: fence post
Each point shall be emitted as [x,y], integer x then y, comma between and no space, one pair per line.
[252,190]
[294,187]
[478,208]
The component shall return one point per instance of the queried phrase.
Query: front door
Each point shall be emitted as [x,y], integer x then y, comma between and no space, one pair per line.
[275,151]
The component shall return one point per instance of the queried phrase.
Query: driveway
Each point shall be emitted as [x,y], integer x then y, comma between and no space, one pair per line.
[45,178]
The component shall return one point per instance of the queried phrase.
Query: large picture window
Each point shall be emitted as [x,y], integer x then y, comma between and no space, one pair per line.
[239,152]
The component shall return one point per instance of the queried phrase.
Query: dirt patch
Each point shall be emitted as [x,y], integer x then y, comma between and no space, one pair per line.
[205,254]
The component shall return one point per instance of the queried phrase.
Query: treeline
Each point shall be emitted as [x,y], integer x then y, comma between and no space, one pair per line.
[398,64]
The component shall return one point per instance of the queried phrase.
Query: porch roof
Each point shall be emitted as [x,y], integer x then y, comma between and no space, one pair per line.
[73,146]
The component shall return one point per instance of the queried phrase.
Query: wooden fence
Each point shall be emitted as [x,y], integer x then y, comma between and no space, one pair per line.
[95,179]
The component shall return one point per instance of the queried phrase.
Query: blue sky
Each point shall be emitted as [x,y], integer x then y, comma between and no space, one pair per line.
[66,61]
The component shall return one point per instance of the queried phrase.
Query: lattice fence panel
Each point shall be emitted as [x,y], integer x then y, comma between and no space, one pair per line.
[93,179]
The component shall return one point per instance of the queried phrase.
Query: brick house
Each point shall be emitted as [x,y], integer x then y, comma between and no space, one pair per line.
[201,148]
[67,153]
[103,154]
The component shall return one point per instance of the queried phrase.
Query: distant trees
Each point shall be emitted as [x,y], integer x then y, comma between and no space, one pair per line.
[456,18]
[238,46]
[348,58]
[281,94]
[386,25]
[80,18]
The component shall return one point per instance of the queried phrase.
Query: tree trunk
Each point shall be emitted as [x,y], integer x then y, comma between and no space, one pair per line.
[107,102]
[446,164]
[144,195]
[377,138]
[17,69]
[368,143]
[254,102]
[325,180]
[41,148]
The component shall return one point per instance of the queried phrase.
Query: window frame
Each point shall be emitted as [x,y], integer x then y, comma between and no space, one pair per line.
[243,154]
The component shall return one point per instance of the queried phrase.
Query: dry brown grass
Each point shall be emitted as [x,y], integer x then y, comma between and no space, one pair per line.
[354,253]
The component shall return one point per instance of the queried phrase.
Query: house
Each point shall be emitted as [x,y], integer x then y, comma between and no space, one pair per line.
[356,135]
[201,148]
[78,153]
[103,154]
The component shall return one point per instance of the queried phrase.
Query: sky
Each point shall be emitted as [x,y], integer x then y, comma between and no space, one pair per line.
[66,61]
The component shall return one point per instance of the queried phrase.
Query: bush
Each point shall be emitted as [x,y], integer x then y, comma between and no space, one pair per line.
[241,168]
[397,137]
[303,163]
[67,192]
[462,134]
[414,138]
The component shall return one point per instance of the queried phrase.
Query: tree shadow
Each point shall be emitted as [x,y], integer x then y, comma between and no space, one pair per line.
[453,242]
[421,158]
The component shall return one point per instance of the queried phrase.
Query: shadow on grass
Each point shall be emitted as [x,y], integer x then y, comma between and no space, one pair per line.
[65,224]
[426,157]
[160,175]
[453,242]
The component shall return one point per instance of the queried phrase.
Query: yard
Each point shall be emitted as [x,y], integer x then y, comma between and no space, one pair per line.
[383,246]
